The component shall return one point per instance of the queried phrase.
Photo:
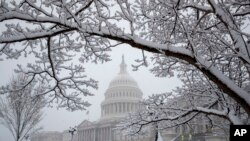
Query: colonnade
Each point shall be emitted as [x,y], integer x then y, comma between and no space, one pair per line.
[124,93]
[96,134]
[122,107]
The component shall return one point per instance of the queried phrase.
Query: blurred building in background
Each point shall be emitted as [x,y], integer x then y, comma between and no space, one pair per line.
[121,98]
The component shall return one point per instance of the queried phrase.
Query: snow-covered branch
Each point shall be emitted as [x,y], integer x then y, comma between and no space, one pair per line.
[208,35]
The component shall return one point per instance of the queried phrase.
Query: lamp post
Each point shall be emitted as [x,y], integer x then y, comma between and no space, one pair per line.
[72,131]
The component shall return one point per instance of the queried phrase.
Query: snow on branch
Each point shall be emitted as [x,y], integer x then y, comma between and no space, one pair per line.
[209,35]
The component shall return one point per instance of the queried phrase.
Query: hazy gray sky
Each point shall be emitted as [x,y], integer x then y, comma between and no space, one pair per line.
[59,120]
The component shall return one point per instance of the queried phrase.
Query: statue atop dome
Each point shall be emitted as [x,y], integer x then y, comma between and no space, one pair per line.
[123,66]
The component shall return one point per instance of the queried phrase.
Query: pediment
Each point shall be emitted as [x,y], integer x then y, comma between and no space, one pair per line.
[85,123]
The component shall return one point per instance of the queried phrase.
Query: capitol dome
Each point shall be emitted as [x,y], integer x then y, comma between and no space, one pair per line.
[122,96]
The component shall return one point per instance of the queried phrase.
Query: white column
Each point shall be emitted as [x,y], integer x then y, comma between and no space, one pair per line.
[104,133]
[82,139]
[103,110]
[104,107]
[84,135]
[107,135]
[113,109]
[88,135]
[120,107]
[110,134]
[79,135]
[107,106]
[101,136]
[126,107]
[94,134]
[106,110]
[130,105]
[116,108]
[97,134]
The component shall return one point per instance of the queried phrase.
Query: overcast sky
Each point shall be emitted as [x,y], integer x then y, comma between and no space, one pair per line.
[60,120]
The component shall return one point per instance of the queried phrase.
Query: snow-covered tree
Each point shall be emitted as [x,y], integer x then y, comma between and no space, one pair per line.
[208,36]
[199,104]
[21,109]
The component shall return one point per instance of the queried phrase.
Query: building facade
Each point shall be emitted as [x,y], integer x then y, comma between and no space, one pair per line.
[47,136]
[53,136]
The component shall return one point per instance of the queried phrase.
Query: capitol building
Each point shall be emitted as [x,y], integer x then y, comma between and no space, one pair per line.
[122,97]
